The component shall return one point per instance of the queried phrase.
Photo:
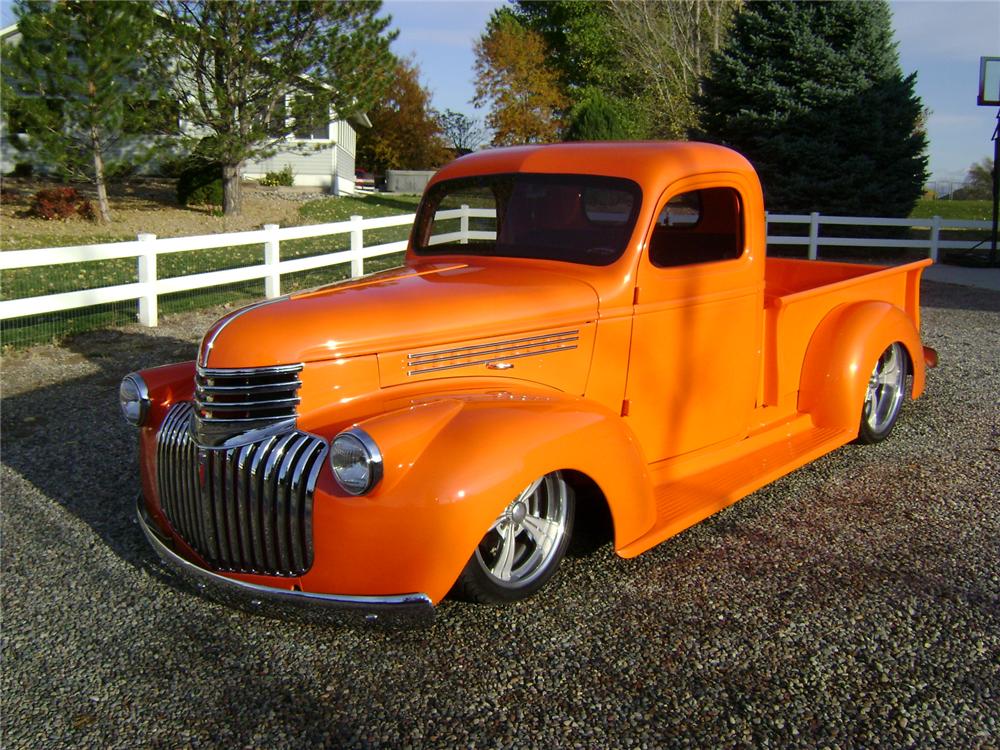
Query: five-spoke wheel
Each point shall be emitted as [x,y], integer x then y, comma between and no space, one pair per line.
[884,397]
[523,547]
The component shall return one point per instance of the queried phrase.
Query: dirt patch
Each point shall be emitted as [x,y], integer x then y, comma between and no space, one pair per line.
[142,205]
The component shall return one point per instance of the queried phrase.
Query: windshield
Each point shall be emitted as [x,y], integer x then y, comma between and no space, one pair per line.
[573,218]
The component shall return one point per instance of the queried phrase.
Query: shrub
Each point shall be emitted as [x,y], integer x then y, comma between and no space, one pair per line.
[284,178]
[22,169]
[59,203]
[200,183]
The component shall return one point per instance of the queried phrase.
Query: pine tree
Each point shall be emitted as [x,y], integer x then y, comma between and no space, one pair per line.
[76,81]
[244,72]
[597,117]
[813,94]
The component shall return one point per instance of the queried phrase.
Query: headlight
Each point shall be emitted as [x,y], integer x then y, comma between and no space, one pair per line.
[134,399]
[356,461]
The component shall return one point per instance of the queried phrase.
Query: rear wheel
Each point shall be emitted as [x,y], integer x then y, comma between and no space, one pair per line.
[885,394]
[522,549]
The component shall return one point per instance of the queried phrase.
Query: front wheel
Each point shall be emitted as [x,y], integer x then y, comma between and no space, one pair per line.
[523,547]
[884,397]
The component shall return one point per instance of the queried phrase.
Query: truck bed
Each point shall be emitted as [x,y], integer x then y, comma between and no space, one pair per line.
[798,294]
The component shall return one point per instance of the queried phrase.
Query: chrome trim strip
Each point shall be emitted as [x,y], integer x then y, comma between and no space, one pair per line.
[499,350]
[404,609]
[233,372]
[494,344]
[207,345]
[487,361]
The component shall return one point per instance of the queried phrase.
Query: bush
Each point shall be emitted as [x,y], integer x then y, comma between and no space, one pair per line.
[200,183]
[284,178]
[59,203]
[22,169]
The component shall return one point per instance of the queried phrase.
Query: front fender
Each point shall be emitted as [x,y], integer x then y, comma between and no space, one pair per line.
[452,464]
[840,357]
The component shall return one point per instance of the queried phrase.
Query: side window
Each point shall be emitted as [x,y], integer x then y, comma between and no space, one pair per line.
[701,226]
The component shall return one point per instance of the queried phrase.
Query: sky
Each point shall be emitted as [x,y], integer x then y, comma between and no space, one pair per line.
[941,40]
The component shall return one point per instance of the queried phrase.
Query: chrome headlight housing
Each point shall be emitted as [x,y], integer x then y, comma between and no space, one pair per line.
[356,461]
[133,396]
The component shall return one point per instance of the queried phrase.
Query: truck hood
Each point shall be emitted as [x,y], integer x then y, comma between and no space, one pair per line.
[414,306]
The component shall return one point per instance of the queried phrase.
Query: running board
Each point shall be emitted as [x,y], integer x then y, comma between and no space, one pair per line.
[683,501]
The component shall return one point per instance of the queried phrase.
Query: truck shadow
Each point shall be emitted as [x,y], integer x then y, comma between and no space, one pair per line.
[67,437]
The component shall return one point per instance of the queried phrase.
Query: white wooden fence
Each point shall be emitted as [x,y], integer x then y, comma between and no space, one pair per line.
[933,244]
[146,248]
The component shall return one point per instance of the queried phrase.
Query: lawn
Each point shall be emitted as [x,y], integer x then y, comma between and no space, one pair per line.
[30,282]
[969,210]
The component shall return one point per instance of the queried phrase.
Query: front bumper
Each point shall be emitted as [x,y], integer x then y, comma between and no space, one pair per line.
[404,609]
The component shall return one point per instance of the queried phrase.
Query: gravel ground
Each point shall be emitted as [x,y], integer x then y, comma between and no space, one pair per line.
[855,603]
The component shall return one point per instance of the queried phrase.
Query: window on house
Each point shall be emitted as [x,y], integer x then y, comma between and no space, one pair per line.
[700,226]
[310,119]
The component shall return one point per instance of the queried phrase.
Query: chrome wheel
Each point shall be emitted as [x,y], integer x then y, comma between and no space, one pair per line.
[522,548]
[523,541]
[884,397]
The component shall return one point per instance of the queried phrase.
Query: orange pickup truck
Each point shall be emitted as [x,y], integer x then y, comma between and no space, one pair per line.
[577,329]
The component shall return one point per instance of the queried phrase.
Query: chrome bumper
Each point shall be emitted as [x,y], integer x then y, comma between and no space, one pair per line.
[404,609]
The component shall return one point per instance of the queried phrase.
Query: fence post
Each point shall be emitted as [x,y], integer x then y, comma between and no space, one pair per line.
[935,237]
[148,313]
[272,257]
[813,235]
[357,245]
[463,225]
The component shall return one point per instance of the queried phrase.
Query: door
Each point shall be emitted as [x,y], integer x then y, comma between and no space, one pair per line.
[694,357]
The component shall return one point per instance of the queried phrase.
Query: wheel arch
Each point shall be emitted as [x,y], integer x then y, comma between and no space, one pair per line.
[451,467]
[841,354]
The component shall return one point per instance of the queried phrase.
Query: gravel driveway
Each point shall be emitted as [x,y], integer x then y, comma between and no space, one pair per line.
[855,603]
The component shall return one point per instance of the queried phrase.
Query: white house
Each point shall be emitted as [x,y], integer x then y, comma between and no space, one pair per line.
[327,162]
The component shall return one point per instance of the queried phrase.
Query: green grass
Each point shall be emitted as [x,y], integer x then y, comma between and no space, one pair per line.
[32,282]
[969,210]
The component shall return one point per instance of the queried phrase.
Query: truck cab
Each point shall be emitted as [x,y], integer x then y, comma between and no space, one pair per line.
[574,324]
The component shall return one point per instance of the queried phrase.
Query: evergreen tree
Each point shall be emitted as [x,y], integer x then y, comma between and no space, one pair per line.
[813,94]
[76,82]
[245,73]
[597,117]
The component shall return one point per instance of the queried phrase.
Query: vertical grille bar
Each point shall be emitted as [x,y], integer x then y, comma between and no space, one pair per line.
[245,509]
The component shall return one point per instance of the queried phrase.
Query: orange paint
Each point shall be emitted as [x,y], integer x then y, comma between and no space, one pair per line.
[679,376]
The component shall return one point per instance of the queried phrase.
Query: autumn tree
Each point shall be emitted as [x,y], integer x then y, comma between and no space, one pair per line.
[461,132]
[75,82]
[246,73]
[813,94]
[405,132]
[666,48]
[516,82]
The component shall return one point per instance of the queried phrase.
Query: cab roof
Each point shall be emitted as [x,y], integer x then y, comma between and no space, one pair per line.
[652,164]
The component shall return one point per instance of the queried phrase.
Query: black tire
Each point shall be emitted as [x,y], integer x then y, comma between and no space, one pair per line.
[885,395]
[522,550]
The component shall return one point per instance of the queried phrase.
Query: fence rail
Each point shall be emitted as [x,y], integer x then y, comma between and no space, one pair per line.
[933,244]
[146,248]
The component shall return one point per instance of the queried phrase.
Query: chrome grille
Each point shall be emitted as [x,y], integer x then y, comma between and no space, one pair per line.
[481,354]
[246,509]
[232,406]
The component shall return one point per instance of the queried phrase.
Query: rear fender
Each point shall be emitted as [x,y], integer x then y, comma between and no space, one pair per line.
[453,464]
[840,357]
